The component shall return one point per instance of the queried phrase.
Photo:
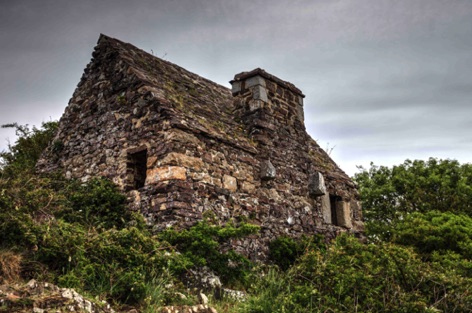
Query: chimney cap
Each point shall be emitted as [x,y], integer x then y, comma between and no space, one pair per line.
[258,71]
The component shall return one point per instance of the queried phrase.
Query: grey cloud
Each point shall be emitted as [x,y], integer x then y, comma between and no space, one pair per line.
[378,75]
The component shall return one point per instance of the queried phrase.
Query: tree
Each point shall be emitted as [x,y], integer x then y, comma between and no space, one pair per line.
[23,155]
[389,194]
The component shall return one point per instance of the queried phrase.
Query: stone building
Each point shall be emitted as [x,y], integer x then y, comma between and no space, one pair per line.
[180,145]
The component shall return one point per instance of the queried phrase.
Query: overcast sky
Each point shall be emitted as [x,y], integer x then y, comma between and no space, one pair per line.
[385,80]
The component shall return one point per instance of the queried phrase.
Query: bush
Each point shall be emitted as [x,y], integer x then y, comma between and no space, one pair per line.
[27,202]
[80,233]
[353,277]
[30,201]
[58,244]
[284,251]
[436,232]
[98,203]
[116,264]
[441,238]
[201,245]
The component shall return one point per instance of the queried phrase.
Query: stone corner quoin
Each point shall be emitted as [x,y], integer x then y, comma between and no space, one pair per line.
[180,145]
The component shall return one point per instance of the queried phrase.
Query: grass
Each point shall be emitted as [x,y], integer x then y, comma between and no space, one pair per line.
[10,266]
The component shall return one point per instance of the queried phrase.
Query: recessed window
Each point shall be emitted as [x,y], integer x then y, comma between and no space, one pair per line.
[334,202]
[136,169]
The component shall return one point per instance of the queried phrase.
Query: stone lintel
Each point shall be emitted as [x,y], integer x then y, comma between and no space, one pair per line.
[165,173]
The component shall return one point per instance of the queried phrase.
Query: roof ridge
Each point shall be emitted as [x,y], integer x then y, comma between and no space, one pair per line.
[104,39]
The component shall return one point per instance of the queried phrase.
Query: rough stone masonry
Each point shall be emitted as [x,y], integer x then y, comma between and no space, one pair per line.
[180,145]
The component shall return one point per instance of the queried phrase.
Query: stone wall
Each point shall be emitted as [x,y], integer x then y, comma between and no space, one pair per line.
[182,146]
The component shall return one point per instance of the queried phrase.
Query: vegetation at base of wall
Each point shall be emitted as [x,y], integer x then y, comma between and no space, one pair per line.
[96,204]
[81,235]
[201,246]
[284,251]
[106,253]
[349,276]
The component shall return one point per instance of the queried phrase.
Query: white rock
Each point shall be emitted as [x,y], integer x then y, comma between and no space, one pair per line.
[32,284]
[67,293]
[88,306]
[203,298]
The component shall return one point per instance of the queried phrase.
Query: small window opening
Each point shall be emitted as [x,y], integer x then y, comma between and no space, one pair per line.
[136,169]
[333,201]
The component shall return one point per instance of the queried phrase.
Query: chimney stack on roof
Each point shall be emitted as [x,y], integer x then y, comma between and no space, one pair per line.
[261,90]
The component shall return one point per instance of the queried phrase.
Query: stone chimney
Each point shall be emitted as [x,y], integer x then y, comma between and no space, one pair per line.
[272,112]
[263,98]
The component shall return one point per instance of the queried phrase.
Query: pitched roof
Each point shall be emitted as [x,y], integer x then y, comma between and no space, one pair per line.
[193,102]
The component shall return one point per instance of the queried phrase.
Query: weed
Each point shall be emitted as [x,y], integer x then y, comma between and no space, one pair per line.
[10,266]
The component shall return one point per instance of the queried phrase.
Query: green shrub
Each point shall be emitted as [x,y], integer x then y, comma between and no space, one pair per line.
[353,277]
[436,231]
[441,238]
[59,245]
[27,202]
[18,230]
[116,264]
[97,203]
[284,251]
[81,235]
[267,288]
[201,244]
